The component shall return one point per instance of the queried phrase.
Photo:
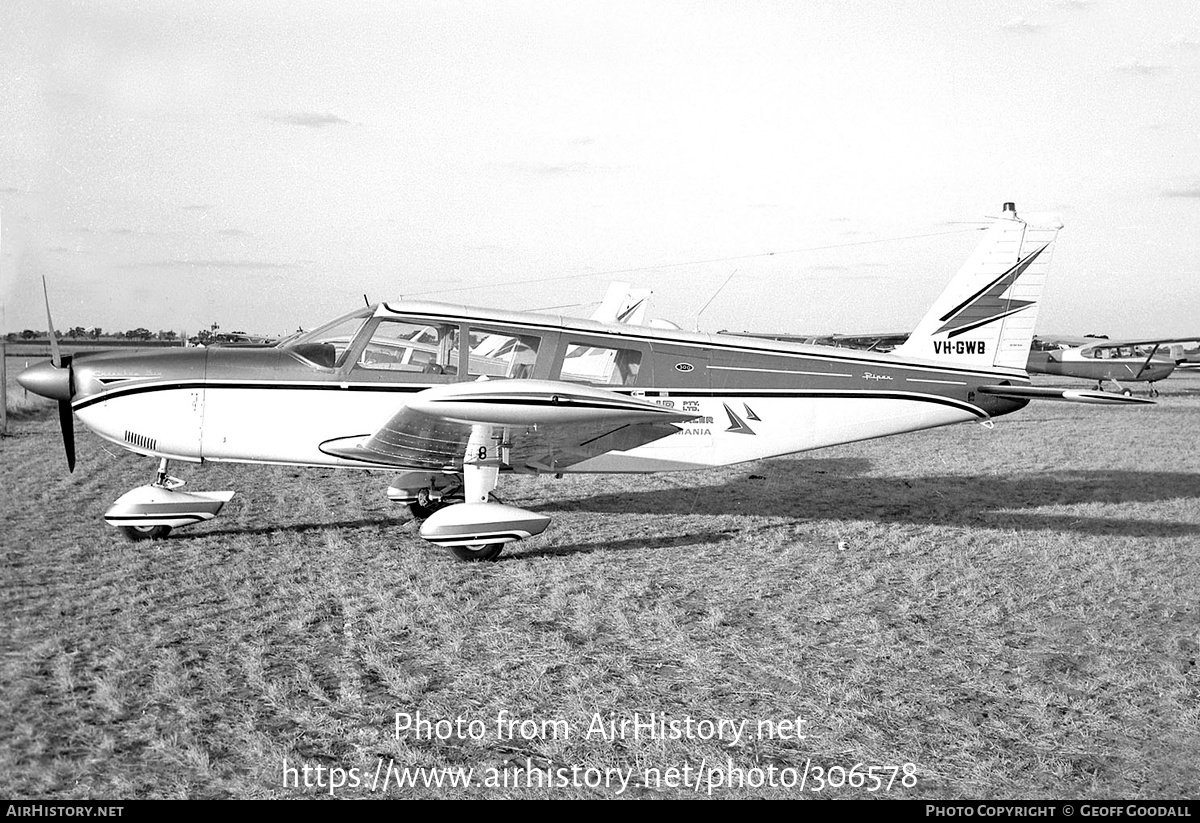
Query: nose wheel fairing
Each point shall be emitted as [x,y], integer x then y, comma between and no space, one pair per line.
[151,511]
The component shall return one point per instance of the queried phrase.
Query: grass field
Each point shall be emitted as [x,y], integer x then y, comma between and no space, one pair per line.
[1012,612]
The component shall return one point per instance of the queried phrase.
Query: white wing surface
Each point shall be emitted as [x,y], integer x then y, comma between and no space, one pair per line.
[528,425]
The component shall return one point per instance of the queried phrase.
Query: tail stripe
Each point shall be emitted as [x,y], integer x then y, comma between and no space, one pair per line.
[993,291]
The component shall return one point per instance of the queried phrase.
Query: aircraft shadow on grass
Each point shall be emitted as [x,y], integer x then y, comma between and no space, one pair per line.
[814,490]
[804,491]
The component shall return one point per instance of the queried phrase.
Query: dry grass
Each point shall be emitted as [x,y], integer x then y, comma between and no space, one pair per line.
[1013,611]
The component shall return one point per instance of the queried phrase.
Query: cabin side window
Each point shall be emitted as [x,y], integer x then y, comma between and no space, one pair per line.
[608,365]
[405,346]
[500,354]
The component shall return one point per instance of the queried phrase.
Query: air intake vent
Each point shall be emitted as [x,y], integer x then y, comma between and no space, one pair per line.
[141,441]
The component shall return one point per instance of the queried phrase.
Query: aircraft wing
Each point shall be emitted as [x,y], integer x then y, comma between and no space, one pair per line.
[530,425]
[883,341]
[1070,395]
[1141,341]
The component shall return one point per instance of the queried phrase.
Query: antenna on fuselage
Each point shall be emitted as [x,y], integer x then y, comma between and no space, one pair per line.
[365,300]
[714,297]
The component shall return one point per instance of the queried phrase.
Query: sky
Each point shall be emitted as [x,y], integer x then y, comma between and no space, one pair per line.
[810,166]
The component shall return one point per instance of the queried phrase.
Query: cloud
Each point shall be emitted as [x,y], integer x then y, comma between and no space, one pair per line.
[207,264]
[561,169]
[1188,191]
[125,231]
[308,119]
[1137,67]
[1022,24]
[555,169]
[1181,42]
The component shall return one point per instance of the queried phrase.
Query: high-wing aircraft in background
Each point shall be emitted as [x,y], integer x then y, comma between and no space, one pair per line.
[1137,360]
[1142,360]
[453,422]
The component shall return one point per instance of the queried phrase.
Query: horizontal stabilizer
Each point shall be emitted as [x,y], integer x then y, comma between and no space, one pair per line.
[1070,395]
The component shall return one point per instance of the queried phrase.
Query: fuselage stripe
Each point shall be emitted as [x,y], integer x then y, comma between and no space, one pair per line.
[781,371]
[673,393]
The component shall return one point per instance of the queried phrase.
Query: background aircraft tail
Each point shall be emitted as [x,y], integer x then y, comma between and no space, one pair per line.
[985,316]
[623,304]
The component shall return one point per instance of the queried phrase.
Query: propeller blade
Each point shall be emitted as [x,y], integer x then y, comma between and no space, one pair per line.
[55,354]
[66,415]
[66,419]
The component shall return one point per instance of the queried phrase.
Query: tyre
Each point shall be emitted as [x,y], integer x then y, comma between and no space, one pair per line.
[420,512]
[137,533]
[477,551]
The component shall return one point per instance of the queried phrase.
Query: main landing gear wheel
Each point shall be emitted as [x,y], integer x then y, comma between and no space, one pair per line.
[1127,392]
[425,505]
[478,551]
[139,533]
[420,512]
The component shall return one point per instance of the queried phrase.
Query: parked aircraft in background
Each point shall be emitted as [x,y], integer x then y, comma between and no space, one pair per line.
[1187,358]
[1143,360]
[452,420]
[1139,360]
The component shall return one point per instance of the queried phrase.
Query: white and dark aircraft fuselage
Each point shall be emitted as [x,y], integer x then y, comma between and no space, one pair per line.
[743,399]
[452,397]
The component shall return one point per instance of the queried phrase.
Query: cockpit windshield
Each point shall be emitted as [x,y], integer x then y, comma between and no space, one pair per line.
[326,345]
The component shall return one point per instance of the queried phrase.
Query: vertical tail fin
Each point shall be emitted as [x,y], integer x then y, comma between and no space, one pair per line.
[623,304]
[985,316]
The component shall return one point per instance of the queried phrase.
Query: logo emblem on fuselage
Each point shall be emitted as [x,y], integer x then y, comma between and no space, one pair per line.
[736,424]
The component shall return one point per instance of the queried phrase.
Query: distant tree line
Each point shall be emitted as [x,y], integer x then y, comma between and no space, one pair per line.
[94,333]
[212,336]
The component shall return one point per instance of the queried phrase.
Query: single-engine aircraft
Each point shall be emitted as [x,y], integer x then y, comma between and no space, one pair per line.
[549,394]
[1136,360]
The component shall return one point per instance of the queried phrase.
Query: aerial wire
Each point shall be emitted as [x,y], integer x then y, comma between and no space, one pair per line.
[579,275]
[714,297]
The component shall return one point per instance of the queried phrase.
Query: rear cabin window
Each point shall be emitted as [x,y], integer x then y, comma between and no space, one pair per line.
[601,364]
[496,354]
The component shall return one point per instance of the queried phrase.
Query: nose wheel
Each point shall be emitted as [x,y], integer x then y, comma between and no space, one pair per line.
[477,551]
[139,533]
[152,511]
